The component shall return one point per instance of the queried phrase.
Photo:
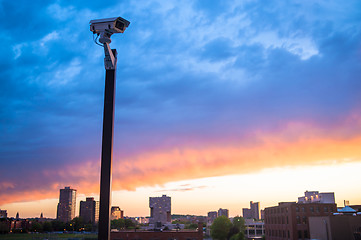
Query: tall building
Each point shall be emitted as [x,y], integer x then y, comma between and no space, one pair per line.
[66,205]
[252,212]
[211,216]
[223,212]
[116,213]
[160,210]
[89,210]
[315,196]
[290,220]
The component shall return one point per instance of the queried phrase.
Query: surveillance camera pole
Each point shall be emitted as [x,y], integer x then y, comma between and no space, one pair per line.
[110,63]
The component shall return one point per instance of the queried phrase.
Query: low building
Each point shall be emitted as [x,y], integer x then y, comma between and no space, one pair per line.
[158,235]
[3,214]
[290,220]
[254,229]
[335,227]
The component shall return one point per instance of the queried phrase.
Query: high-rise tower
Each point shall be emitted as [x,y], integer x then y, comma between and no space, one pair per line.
[89,210]
[66,205]
[160,210]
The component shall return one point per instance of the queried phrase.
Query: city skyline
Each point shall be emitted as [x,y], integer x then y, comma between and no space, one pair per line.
[220,102]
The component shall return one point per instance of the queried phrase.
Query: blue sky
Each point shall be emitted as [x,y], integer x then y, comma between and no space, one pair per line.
[196,81]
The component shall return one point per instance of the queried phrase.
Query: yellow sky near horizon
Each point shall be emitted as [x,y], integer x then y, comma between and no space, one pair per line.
[233,192]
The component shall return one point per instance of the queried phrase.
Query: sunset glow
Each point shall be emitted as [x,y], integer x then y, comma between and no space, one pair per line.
[217,104]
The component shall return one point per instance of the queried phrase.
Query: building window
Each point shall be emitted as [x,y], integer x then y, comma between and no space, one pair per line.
[298,220]
[305,234]
[304,220]
[325,209]
[318,209]
[312,209]
[303,209]
[299,234]
[297,209]
[288,233]
[287,219]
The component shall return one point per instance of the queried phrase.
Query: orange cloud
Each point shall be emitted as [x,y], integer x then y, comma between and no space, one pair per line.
[295,144]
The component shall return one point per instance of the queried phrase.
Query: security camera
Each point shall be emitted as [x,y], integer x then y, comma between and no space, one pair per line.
[107,26]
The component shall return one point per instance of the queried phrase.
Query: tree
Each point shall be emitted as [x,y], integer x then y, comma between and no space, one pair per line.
[117,224]
[58,225]
[129,224]
[239,223]
[238,236]
[220,228]
[36,227]
[191,226]
[47,227]
[4,226]
[236,232]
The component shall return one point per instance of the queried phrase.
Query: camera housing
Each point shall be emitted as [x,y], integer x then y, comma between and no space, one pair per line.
[107,26]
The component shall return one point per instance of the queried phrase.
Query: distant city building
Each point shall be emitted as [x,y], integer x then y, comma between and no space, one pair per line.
[262,214]
[345,227]
[160,210]
[141,220]
[211,216]
[116,213]
[89,210]
[17,216]
[66,205]
[3,214]
[223,212]
[289,220]
[316,197]
[252,212]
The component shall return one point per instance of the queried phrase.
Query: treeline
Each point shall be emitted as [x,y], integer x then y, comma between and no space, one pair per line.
[34,225]
[123,224]
[75,225]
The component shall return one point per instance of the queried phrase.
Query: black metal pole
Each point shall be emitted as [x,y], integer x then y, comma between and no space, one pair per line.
[107,154]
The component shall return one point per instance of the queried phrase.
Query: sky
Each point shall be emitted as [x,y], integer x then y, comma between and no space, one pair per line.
[218,103]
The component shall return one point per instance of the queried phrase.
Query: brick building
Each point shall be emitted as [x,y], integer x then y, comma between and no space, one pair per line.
[158,235]
[290,220]
[335,227]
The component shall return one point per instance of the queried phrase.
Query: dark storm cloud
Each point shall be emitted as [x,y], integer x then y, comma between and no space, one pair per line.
[189,74]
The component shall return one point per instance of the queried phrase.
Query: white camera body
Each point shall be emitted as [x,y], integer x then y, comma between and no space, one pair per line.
[107,26]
